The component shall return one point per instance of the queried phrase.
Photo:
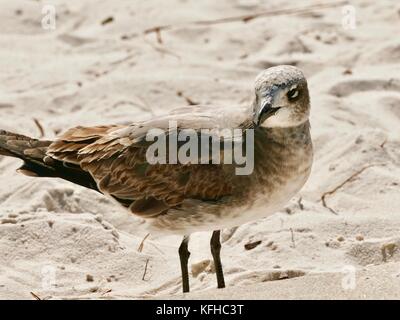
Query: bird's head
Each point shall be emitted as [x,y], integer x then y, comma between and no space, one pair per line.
[282,98]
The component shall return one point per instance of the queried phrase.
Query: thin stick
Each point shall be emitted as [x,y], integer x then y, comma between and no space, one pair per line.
[140,248]
[294,244]
[246,18]
[41,130]
[158,34]
[162,50]
[189,101]
[145,269]
[105,292]
[35,296]
[349,179]
[300,203]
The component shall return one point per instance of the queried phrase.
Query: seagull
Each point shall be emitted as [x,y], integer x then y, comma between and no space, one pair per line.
[182,198]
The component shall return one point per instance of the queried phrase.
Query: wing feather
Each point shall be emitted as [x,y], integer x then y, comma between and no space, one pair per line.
[116,158]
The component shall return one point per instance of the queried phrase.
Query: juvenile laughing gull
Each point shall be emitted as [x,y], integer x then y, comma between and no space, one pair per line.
[181,198]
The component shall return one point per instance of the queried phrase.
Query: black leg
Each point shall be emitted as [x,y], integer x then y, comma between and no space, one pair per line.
[184,257]
[215,251]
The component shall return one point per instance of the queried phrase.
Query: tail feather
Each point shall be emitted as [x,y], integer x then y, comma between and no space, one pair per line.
[36,161]
[20,146]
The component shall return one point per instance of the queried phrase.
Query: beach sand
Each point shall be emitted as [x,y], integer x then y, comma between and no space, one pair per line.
[121,61]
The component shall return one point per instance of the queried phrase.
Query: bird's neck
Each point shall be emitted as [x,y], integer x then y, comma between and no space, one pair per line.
[281,156]
[299,134]
[278,149]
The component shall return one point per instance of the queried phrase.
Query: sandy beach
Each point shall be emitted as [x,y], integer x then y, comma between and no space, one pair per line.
[121,61]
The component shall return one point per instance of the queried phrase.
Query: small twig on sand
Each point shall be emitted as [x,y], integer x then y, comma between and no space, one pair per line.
[249,17]
[161,49]
[142,107]
[300,203]
[40,127]
[159,38]
[35,296]
[140,248]
[349,179]
[107,20]
[294,243]
[145,269]
[189,101]
[107,291]
[157,31]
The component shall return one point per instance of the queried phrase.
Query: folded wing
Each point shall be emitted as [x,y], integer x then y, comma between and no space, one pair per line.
[115,156]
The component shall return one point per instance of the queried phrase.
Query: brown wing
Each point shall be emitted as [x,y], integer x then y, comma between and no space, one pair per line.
[68,146]
[116,158]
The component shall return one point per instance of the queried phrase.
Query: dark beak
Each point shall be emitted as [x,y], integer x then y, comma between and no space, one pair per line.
[265,112]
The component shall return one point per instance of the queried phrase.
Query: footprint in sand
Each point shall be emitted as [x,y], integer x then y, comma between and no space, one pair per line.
[349,87]
[374,252]
[74,41]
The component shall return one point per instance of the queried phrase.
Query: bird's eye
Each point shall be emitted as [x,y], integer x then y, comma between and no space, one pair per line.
[293,94]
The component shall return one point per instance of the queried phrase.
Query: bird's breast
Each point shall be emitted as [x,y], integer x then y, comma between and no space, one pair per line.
[282,167]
